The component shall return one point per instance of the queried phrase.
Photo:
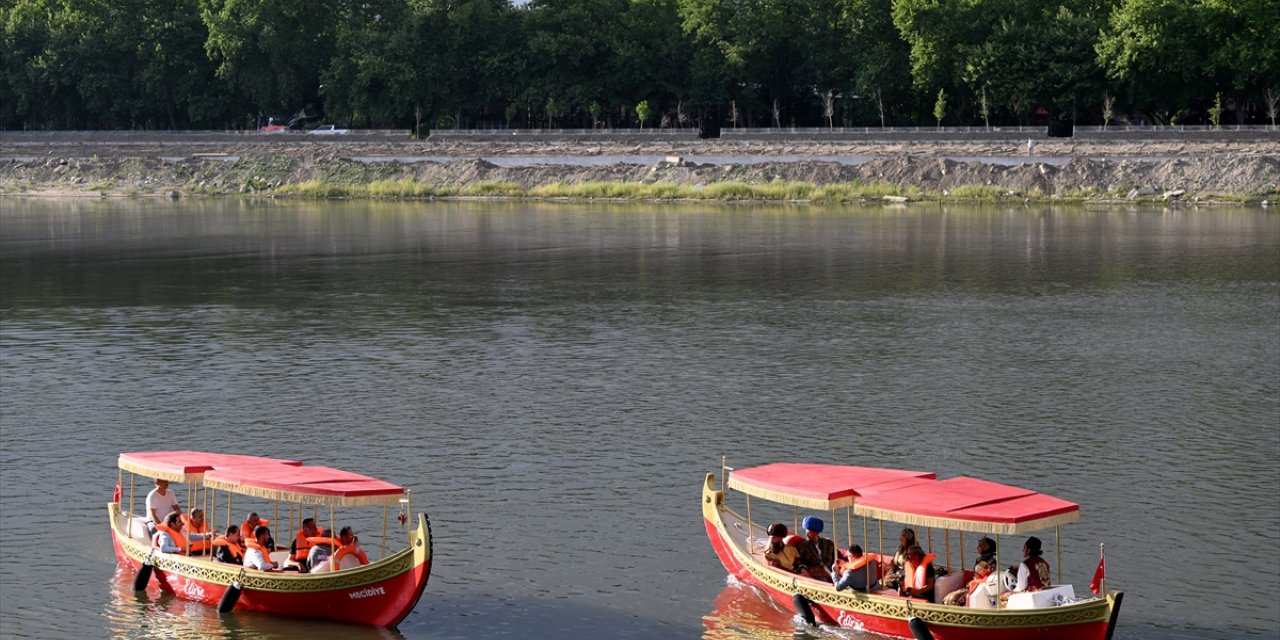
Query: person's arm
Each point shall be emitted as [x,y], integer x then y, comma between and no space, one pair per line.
[1023,574]
[167,544]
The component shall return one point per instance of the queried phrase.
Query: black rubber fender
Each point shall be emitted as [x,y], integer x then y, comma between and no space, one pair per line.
[144,576]
[229,598]
[919,628]
[803,609]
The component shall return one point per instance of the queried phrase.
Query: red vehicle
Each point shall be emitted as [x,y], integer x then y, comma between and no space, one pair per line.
[380,593]
[917,498]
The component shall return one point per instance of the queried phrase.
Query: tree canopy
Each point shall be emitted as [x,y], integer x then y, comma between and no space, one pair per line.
[179,64]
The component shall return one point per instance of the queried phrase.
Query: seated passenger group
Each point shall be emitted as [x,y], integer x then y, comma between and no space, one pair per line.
[250,544]
[911,572]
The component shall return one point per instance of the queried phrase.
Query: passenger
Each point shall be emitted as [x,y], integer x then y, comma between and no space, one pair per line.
[349,546]
[322,547]
[918,576]
[986,559]
[227,547]
[1033,571]
[817,554]
[160,503]
[300,548]
[778,553]
[981,574]
[194,524]
[855,572]
[259,554]
[986,553]
[169,537]
[249,529]
[906,540]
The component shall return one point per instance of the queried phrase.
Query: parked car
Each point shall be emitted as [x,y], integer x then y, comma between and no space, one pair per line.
[329,130]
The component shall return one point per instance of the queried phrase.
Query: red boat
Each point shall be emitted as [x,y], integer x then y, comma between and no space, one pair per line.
[916,498]
[380,593]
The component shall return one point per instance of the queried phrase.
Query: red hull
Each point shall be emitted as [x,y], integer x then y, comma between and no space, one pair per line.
[382,602]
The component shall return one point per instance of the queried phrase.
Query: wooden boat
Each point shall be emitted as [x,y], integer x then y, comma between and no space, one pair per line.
[380,593]
[914,498]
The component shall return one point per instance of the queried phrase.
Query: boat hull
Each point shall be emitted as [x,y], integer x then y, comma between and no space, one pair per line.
[886,615]
[380,594]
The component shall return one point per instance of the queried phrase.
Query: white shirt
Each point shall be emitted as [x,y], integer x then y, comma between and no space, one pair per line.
[255,559]
[162,505]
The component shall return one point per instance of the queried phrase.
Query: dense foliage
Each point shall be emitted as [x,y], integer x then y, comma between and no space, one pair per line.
[181,64]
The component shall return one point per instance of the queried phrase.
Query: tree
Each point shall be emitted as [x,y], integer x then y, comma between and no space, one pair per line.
[1108,111]
[882,69]
[940,106]
[272,51]
[642,112]
[1156,49]
[1215,112]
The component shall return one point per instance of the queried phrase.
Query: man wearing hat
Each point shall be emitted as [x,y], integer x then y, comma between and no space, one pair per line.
[817,553]
[780,554]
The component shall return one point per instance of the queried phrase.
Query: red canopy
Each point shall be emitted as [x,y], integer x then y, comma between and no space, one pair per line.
[821,486]
[309,485]
[969,504]
[189,466]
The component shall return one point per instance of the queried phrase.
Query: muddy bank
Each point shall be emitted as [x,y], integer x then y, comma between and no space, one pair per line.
[1185,170]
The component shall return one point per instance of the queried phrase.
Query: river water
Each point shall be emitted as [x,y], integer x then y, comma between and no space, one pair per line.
[555,380]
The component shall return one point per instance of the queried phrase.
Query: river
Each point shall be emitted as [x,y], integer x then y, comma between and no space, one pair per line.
[554,380]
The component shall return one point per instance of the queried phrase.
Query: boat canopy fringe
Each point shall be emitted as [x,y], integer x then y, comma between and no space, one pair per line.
[790,498]
[941,522]
[301,496]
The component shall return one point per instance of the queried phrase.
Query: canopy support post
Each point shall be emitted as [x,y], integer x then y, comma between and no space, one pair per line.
[751,543]
[962,550]
[1000,573]
[1057,542]
[228,508]
[129,528]
[848,525]
[384,530]
[948,543]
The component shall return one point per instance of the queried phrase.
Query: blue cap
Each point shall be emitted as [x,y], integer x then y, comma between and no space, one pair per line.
[812,524]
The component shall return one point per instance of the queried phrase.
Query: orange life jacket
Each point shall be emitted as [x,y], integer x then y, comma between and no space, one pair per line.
[236,550]
[913,578]
[351,549]
[196,545]
[246,529]
[253,544]
[977,581]
[178,538]
[851,564]
[301,546]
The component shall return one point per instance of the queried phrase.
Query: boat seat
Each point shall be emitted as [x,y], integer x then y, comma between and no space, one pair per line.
[946,584]
[139,530]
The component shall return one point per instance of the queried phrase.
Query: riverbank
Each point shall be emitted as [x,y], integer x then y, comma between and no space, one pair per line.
[1056,169]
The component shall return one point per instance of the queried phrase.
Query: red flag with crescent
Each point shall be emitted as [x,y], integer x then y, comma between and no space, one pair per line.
[115,495]
[1098,575]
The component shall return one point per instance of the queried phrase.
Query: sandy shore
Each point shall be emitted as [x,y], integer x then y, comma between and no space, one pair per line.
[1057,168]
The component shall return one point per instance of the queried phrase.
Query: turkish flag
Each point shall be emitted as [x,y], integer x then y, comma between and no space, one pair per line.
[1098,575]
[115,496]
